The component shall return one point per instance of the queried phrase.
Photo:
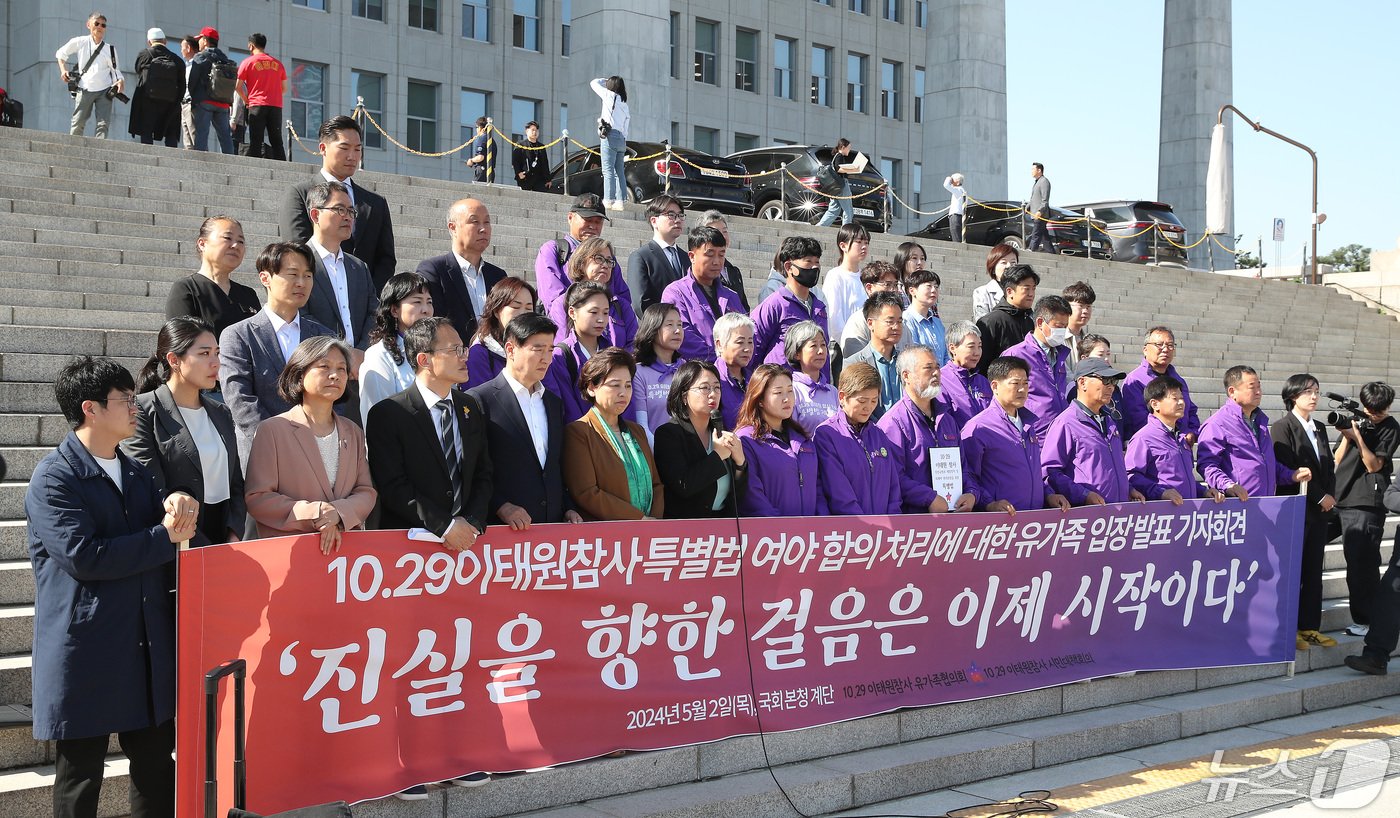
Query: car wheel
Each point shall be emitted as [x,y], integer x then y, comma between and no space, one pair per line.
[1014,241]
[772,210]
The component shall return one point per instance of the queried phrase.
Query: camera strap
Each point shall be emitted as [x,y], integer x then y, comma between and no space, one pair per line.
[96,52]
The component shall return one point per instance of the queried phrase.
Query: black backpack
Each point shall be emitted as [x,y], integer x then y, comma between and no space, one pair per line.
[165,77]
[11,111]
[223,80]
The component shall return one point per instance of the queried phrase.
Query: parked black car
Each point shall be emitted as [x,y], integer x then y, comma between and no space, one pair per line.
[802,202]
[992,223]
[1132,223]
[717,183]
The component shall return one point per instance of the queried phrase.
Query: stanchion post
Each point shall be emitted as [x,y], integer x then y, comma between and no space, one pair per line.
[1025,237]
[565,146]
[490,152]
[782,193]
[889,202]
[359,116]
[1156,234]
[667,143]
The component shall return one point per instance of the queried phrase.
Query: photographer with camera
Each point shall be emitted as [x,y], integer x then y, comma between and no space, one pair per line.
[1384,630]
[95,80]
[1369,439]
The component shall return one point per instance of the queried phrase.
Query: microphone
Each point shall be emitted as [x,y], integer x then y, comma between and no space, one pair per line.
[716,422]
[1338,398]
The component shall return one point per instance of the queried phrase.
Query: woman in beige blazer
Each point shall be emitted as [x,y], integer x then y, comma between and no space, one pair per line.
[307,470]
[608,466]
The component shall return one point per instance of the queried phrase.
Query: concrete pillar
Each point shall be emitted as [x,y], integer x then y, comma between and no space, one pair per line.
[629,38]
[1196,80]
[965,97]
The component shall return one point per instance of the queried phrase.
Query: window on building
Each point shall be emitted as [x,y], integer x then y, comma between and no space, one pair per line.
[308,87]
[823,2]
[675,133]
[368,9]
[745,141]
[889,168]
[916,186]
[522,110]
[423,14]
[891,10]
[859,6]
[675,46]
[370,88]
[921,13]
[526,25]
[315,5]
[821,76]
[422,117]
[566,21]
[784,50]
[706,51]
[563,119]
[919,93]
[746,60]
[890,82]
[475,104]
[706,140]
[855,83]
[476,20]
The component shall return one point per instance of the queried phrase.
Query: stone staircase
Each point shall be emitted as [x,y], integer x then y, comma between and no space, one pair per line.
[92,233]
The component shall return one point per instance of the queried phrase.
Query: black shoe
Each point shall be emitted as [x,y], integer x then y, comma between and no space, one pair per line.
[1366,664]
[417,792]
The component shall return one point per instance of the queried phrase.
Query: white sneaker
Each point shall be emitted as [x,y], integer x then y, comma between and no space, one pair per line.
[1358,630]
[615,206]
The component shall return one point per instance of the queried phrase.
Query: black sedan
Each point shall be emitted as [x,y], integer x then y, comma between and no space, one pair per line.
[700,182]
[991,223]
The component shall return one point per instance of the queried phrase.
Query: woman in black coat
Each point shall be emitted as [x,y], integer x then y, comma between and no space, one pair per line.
[703,470]
[1301,442]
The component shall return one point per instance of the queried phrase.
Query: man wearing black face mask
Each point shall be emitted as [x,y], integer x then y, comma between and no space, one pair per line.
[800,258]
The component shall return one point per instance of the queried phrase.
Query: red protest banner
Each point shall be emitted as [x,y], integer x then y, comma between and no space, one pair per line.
[395,662]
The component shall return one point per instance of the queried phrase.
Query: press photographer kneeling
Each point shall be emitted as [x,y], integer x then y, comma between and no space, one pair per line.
[1369,438]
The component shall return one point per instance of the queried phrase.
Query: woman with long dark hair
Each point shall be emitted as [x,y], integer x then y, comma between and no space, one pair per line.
[486,356]
[658,340]
[386,370]
[618,117]
[586,305]
[185,437]
[703,469]
[783,480]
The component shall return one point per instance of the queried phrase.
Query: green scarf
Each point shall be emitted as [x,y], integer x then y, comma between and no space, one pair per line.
[638,470]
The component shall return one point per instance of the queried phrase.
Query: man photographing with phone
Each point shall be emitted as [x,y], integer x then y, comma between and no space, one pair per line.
[95,74]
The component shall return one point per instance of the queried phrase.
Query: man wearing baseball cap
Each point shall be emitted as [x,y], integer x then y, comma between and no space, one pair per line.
[207,108]
[1083,453]
[586,220]
[160,86]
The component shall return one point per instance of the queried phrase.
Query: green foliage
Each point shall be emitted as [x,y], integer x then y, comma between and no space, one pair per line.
[1352,258]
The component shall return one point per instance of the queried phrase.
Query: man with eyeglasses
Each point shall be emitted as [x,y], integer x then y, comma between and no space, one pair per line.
[875,277]
[654,265]
[1082,455]
[343,297]
[884,318]
[1158,352]
[102,539]
[1001,457]
[95,69]
[801,260]
[460,280]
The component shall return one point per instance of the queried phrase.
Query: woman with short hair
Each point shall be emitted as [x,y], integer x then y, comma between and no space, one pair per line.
[985,298]
[733,356]
[703,468]
[806,351]
[594,260]
[609,470]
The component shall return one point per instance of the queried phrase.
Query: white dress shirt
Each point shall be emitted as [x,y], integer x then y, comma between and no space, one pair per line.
[532,406]
[1310,431]
[476,283]
[349,186]
[104,72]
[288,332]
[335,270]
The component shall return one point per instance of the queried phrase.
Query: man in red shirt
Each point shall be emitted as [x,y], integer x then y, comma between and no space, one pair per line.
[262,82]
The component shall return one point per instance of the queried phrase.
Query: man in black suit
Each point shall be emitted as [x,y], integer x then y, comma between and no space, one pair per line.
[372,242]
[344,296]
[525,427]
[427,444]
[660,261]
[459,281]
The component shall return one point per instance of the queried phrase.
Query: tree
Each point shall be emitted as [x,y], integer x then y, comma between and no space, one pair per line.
[1352,258]
[1247,261]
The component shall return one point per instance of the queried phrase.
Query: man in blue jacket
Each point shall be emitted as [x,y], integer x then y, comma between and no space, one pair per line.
[102,541]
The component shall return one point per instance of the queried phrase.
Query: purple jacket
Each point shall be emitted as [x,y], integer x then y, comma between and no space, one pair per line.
[782,478]
[483,364]
[731,396]
[858,472]
[622,322]
[1048,386]
[562,378]
[965,391]
[1077,458]
[1159,460]
[699,319]
[551,279]
[816,400]
[1135,410]
[650,388]
[1001,462]
[773,317]
[912,436]
[1231,452]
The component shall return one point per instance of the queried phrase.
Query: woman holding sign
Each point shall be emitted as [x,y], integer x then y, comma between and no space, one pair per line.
[918,426]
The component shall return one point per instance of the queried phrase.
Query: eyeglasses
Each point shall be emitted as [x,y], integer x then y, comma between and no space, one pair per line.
[705,389]
[674,215]
[456,349]
[1162,345]
[602,259]
[99,25]
[129,400]
[340,210]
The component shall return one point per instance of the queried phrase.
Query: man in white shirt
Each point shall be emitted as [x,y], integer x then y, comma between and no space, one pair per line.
[957,205]
[95,68]
[841,291]
[343,298]
[459,280]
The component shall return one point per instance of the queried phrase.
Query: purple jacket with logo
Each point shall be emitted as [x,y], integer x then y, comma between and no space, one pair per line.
[1078,458]
[912,436]
[1048,386]
[773,317]
[622,322]
[1158,460]
[1001,462]
[731,396]
[783,478]
[699,319]
[858,471]
[816,400]
[1135,409]
[965,391]
[1230,452]
[483,364]
[650,388]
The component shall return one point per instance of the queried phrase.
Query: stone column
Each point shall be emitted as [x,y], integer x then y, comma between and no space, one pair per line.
[629,38]
[1196,81]
[965,97]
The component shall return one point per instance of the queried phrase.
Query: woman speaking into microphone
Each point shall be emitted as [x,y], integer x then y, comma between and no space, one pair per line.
[702,465]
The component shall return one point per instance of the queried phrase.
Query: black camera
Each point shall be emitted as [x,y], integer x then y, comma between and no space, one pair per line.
[113,93]
[1347,414]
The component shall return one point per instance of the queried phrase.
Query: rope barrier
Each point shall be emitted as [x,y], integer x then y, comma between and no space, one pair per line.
[852,197]
[914,210]
[402,146]
[506,139]
[1184,246]
[292,129]
[627,159]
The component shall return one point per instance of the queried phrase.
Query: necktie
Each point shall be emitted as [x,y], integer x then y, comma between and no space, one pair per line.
[449,450]
[675,256]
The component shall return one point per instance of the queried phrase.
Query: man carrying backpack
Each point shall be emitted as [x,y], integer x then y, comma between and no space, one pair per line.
[160,85]
[212,84]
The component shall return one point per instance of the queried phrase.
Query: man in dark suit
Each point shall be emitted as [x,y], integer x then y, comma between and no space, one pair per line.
[373,239]
[343,298]
[660,261]
[459,281]
[253,352]
[427,444]
[525,427]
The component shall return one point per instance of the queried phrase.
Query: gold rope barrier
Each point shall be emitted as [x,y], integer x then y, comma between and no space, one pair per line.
[297,139]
